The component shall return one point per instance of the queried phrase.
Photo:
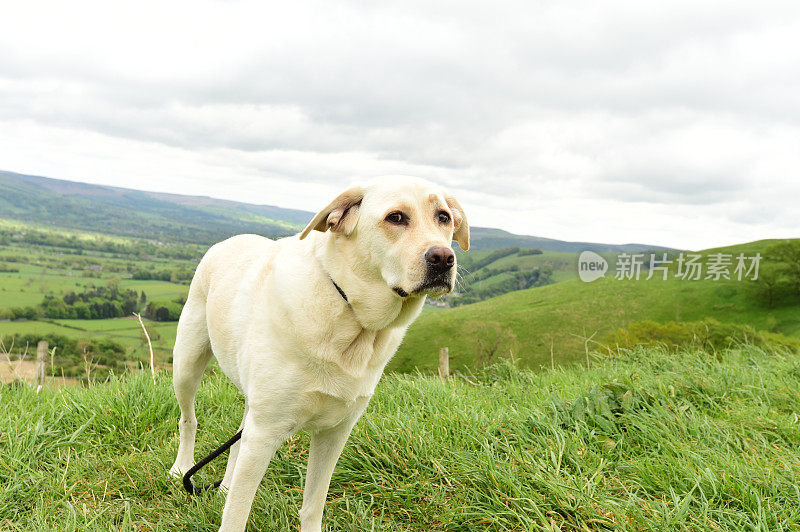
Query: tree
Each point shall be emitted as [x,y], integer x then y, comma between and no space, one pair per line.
[771,285]
[162,314]
[786,256]
[779,274]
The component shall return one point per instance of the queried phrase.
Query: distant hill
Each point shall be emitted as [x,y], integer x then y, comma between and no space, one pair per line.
[483,238]
[121,211]
[197,219]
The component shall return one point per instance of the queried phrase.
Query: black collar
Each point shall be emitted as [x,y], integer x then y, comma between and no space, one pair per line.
[341,292]
[336,286]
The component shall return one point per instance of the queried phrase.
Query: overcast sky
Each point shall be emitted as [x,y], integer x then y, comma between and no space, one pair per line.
[673,123]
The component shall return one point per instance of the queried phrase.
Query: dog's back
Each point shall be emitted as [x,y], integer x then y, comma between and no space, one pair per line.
[222,283]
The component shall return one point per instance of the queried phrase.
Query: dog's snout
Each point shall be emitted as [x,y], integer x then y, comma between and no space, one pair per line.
[440,258]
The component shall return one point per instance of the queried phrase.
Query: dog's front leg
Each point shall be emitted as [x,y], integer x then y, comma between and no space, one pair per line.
[326,446]
[257,446]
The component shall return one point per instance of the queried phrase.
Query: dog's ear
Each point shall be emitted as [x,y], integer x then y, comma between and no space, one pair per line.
[460,225]
[340,216]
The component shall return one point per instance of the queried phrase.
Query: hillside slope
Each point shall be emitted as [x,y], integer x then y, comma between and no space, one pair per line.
[565,313]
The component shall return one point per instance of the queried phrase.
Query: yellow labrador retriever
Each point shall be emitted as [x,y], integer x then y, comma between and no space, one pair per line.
[305,325]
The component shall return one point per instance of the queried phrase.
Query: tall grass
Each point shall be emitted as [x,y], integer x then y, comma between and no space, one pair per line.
[644,441]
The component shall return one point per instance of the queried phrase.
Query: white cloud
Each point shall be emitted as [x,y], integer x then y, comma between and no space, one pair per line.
[670,123]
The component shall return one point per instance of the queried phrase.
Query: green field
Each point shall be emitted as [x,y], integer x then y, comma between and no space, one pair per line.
[645,440]
[125,331]
[19,290]
[567,312]
[55,269]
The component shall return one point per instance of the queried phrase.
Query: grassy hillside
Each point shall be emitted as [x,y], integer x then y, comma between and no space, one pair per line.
[748,248]
[643,441]
[58,237]
[567,312]
[37,261]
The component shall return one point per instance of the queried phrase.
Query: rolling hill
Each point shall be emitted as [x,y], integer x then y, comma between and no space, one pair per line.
[566,313]
[194,219]
[126,212]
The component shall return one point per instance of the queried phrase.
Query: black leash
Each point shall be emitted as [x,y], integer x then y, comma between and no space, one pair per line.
[187,478]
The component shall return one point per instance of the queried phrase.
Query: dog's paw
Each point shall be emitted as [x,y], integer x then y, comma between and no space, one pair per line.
[175,471]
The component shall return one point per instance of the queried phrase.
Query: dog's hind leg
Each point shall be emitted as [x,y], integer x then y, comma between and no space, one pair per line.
[233,454]
[190,357]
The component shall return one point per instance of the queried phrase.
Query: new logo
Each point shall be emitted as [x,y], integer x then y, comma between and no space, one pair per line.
[591,266]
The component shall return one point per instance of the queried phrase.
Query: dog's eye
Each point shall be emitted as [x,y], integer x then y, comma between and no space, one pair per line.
[397,218]
[443,217]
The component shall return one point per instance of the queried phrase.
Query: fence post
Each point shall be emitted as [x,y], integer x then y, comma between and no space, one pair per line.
[41,364]
[444,363]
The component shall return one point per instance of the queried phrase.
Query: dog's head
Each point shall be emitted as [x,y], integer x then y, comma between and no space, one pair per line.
[400,227]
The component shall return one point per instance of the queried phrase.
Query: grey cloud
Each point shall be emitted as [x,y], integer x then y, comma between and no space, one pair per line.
[672,103]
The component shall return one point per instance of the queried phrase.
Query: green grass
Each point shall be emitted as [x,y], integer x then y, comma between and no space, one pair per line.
[642,441]
[490,282]
[29,286]
[38,327]
[127,331]
[567,312]
[10,297]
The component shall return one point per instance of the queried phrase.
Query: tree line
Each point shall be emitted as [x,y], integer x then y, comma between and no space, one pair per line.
[73,244]
[98,303]
[173,276]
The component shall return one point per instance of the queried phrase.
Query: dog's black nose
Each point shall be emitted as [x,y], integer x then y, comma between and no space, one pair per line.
[440,259]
